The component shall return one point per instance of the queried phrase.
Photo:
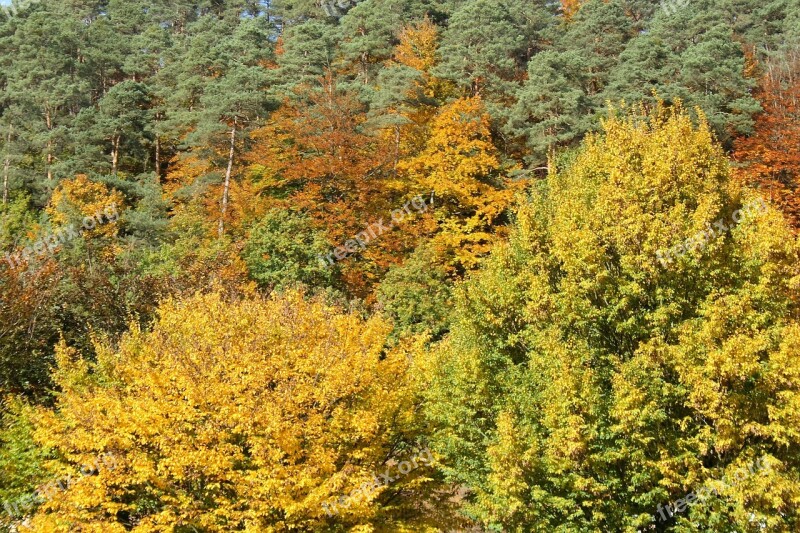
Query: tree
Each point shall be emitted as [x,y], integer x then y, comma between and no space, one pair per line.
[370,32]
[231,100]
[407,94]
[318,155]
[21,462]
[772,154]
[557,104]
[690,55]
[284,250]
[551,110]
[308,405]
[585,384]
[77,200]
[461,166]
[29,327]
[417,296]
[306,52]
[486,45]
[44,81]
[121,120]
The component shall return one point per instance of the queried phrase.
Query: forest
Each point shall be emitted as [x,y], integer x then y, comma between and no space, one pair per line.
[399,266]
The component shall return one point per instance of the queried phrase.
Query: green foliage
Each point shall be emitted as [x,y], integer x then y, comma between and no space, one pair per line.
[693,55]
[284,250]
[565,84]
[584,383]
[16,218]
[21,462]
[417,296]
[309,50]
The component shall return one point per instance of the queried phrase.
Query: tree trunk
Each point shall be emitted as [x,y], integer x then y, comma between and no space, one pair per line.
[6,167]
[115,154]
[158,159]
[226,189]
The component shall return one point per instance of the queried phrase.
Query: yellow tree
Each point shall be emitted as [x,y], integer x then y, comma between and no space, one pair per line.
[570,7]
[254,415]
[417,46]
[588,386]
[461,165]
[92,205]
[412,104]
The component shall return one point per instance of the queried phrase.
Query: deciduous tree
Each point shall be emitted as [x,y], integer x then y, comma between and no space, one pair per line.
[771,156]
[584,384]
[236,416]
[461,166]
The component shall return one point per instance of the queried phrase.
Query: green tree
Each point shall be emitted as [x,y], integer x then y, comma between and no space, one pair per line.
[417,296]
[21,462]
[565,85]
[308,51]
[487,43]
[584,383]
[119,125]
[690,54]
[284,250]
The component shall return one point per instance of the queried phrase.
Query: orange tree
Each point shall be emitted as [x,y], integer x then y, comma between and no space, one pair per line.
[771,156]
[318,156]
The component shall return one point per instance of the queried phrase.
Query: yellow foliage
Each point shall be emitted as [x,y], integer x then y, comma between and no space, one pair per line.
[242,416]
[461,165]
[75,199]
[418,45]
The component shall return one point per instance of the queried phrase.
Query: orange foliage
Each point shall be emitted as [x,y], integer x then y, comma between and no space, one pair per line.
[317,156]
[462,166]
[417,50]
[29,305]
[771,156]
[186,170]
[570,7]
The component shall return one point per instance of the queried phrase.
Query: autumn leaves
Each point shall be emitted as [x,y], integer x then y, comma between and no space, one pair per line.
[51,242]
[241,415]
[715,230]
[366,491]
[375,230]
[573,373]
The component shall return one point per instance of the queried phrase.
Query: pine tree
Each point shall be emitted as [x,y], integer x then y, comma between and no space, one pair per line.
[486,43]
[690,54]
[565,85]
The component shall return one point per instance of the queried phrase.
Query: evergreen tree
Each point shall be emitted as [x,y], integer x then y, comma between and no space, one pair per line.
[565,85]
[307,51]
[485,44]
[690,54]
